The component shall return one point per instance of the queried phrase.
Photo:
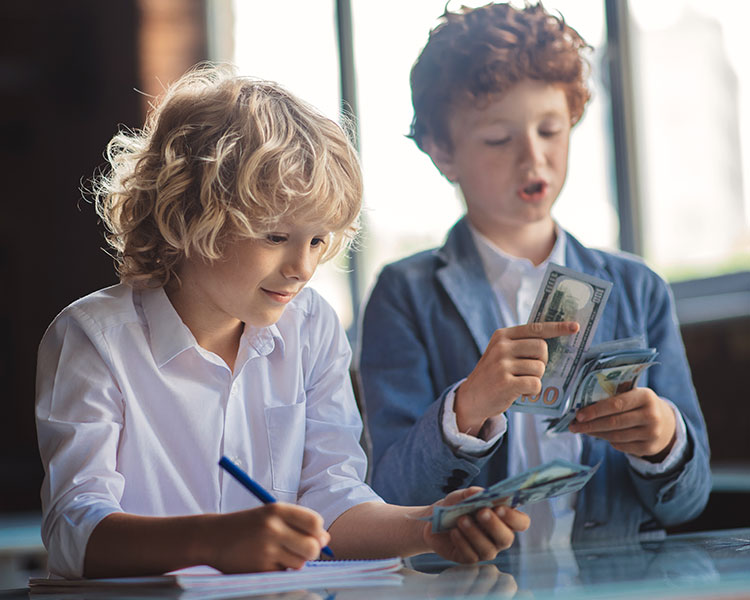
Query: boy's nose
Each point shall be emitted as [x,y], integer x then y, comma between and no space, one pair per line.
[532,151]
[300,265]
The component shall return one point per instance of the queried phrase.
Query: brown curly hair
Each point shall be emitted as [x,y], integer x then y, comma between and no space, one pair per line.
[223,157]
[476,52]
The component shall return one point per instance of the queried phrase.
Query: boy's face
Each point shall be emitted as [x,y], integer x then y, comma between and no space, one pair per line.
[256,279]
[510,156]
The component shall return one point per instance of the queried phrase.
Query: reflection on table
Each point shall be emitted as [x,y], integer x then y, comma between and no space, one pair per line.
[686,566]
[698,565]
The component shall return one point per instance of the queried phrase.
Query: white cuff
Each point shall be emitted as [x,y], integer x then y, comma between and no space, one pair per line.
[675,455]
[463,442]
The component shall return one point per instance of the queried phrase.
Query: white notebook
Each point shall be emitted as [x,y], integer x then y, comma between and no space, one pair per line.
[206,582]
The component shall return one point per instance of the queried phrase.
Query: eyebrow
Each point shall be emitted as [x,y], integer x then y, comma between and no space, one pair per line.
[505,121]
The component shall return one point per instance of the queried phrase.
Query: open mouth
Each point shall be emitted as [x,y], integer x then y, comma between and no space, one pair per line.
[534,190]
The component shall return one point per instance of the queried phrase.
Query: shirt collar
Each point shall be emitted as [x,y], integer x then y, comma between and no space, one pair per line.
[497,262]
[262,340]
[169,336]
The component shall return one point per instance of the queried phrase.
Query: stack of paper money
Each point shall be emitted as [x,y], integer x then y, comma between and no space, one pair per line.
[608,369]
[545,481]
[576,376]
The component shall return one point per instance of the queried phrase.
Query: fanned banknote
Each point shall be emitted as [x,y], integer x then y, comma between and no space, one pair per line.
[609,369]
[565,295]
[550,479]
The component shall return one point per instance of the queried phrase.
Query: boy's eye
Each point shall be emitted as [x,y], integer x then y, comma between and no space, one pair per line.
[275,238]
[497,142]
[549,132]
[317,241]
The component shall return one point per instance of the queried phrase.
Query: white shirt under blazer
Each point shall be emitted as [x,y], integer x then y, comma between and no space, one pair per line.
[133,416]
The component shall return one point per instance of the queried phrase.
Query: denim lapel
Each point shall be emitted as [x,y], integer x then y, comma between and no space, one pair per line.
[463,279]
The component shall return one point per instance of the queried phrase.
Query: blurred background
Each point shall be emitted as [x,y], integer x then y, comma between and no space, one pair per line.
[660,166]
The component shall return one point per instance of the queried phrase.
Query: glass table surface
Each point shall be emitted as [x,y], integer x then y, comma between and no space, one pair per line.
[697,565]
[712,564]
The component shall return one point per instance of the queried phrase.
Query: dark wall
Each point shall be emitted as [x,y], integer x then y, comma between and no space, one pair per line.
[719,354]
[67,73]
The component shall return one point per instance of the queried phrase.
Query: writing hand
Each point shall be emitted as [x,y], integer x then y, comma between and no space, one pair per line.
[272,537]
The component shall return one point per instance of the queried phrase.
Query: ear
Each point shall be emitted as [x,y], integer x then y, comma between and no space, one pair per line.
[442,157]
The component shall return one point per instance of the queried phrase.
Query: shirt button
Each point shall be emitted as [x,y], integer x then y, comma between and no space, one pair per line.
[238,461]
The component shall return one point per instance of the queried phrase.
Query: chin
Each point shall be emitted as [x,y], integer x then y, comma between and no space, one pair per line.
[260,321]
[537,214]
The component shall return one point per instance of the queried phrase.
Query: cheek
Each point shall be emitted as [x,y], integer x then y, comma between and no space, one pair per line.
[562,149]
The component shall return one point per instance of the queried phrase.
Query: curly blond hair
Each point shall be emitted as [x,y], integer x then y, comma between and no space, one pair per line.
[220,158]
[476,52]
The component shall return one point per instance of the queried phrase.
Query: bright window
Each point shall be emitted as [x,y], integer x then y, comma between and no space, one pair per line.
[692,127]
[692,109]
[294,43]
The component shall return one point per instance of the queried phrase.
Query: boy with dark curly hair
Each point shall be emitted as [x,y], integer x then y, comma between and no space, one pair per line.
[496,92]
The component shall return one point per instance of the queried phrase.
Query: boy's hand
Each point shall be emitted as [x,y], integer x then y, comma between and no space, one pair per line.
[512,365]
[637,422]
[479,536]
[269,538]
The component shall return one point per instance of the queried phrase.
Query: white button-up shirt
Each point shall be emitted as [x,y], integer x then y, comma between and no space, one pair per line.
[133,416]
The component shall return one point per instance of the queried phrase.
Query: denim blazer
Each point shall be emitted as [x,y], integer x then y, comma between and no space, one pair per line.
[428,320]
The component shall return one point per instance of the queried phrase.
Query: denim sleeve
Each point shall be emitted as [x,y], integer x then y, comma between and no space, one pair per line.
[681,494]
[412,463]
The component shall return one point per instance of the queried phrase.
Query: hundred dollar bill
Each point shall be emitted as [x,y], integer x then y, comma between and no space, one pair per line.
[545,481]
[565,295]
[597,385]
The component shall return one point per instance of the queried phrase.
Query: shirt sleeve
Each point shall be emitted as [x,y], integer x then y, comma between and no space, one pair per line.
[78,418]
[334,464]
[480,445]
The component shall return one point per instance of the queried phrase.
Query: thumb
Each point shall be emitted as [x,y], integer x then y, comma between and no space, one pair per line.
[460,495]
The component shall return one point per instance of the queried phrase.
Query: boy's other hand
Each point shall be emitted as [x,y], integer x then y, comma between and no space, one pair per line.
[512,365]
[269,538]
[637,422]
[479,536]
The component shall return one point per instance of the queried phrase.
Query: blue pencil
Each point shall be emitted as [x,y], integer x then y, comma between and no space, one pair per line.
[254,488]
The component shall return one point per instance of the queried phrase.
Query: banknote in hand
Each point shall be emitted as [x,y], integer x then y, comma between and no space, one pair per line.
[548,480]
[609,369]
[565,295]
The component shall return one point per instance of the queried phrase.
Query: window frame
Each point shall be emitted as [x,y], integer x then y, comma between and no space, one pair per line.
[697,300]
[700,300]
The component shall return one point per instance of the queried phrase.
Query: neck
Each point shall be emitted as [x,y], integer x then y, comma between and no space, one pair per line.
[214,332]
[533,241]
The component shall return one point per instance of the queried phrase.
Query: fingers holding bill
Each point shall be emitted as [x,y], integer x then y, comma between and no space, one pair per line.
[487,532]
[544,330]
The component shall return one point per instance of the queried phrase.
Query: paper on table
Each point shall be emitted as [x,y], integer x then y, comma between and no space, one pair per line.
[205,582]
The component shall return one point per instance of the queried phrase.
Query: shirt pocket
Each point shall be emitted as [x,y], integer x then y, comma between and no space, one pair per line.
[286,443]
